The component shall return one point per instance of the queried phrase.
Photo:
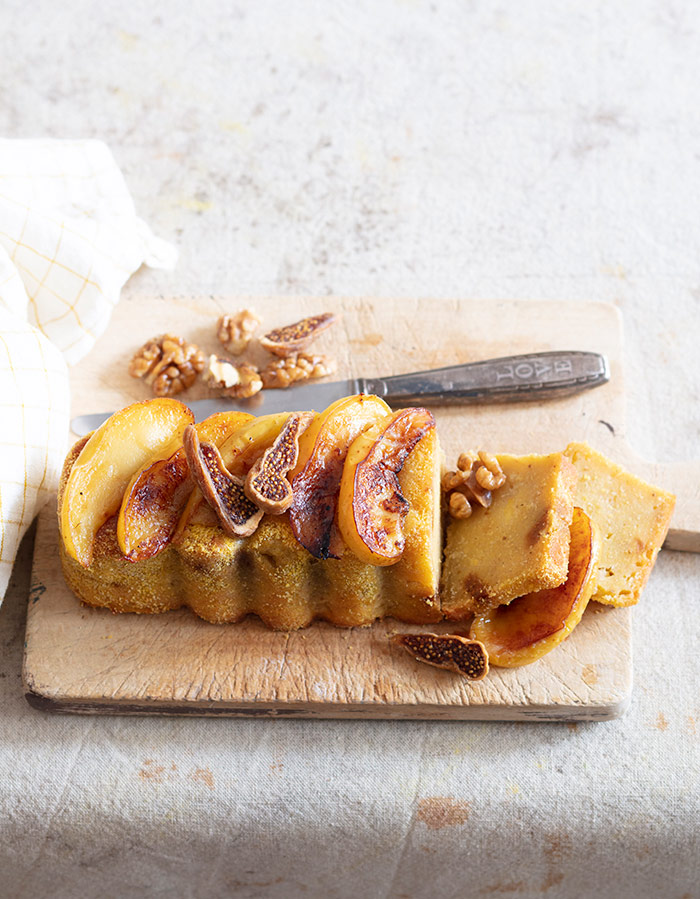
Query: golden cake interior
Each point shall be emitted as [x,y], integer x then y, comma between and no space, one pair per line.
[633,518]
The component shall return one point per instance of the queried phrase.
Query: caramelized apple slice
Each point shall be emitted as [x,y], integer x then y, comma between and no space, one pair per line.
[239,452]
[532,625]
[316,479]
[371,508]
[238,516]
[106,464]
[157,493]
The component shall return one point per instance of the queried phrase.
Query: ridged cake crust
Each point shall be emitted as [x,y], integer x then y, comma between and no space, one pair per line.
[222,579]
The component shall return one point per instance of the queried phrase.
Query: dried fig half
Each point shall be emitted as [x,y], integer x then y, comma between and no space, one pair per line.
[449,651]
[239,452]
[296,337]
[266,484]
[239,517]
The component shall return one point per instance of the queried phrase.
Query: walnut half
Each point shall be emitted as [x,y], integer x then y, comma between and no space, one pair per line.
[477,475]
[236,331]
[168,363]
[240,381]
[300,367]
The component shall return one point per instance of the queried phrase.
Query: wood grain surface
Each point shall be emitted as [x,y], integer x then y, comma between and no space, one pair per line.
[89,660]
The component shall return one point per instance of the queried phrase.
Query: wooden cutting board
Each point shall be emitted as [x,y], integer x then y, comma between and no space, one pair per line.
[88,660]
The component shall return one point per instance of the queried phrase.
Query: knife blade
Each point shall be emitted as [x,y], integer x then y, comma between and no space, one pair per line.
[509,379]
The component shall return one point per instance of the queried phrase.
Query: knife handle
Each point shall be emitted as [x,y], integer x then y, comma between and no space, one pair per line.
[533,376]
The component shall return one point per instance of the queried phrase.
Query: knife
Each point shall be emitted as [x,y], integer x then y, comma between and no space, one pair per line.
[510,379]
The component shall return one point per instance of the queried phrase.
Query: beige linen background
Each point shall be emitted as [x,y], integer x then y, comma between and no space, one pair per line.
[388,147]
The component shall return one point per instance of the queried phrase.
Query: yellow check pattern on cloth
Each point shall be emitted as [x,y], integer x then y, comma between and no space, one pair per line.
[69,239]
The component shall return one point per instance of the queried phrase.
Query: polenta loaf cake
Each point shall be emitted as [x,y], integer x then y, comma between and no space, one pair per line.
[239,515]
[337,515]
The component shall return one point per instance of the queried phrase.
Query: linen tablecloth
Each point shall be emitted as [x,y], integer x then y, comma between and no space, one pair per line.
[69,239]
[522,151]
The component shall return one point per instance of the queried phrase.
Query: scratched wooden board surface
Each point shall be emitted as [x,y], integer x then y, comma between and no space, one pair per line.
[89,660]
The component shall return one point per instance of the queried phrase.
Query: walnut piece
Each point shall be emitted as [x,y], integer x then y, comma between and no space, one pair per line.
[459,505]
[300,367]
[266,484]
[168,363]
[295,338]
[236,331]
[477,475]
[450,651]
[489,474]
[241,381]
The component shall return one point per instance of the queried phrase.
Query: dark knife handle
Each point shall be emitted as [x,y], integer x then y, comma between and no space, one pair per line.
[533,376]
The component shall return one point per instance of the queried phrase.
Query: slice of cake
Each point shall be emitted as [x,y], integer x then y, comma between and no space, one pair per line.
[632,517]
[519,544]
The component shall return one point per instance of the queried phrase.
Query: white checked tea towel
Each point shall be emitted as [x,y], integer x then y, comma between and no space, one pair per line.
[69,239]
